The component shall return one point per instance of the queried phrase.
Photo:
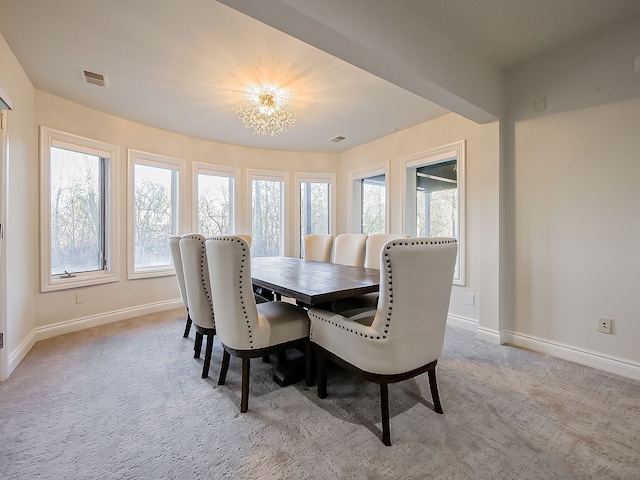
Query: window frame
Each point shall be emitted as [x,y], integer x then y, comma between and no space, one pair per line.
[50,137]
[138,157]
[312,177]
[355,195]
[429,157]
[270,175]
[220,171]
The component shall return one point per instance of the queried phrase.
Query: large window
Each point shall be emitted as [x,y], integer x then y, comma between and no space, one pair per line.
[78,216]
[435,197]
[315,205]
[267,213]
[154,199]
[215,199]
[369,201]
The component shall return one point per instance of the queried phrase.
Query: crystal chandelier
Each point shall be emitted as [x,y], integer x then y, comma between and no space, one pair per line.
[267,110]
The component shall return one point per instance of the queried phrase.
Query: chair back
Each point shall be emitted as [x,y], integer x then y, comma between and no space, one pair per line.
[236,313]
[174,246]
[416,277]
[348,249]
[247,238]
[317,247]
[196,279]
[374,245]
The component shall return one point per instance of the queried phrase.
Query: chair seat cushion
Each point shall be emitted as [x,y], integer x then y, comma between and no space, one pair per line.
[280,322]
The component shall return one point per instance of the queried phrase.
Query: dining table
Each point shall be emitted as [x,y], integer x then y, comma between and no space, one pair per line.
[310,284]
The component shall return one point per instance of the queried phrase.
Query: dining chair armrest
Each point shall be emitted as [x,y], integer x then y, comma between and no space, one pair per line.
[352,325]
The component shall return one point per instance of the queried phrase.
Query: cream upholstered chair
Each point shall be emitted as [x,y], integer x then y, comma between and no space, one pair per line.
[404,336]
[247,238]
[196,280]
[246,329]
[348,249]
[174,246]
[373,247]
[317,247]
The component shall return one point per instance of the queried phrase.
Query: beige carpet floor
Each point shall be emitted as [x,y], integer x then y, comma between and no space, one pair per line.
[126,401]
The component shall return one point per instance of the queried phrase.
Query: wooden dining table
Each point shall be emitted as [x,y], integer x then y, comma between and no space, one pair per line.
[312,283]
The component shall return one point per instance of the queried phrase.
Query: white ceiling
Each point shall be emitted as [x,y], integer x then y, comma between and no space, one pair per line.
[182,66]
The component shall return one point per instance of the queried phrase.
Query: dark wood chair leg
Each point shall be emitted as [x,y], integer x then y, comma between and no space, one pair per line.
[244,401]
[207,356]
[198,346]
[187,327]
[266,359]
[282,356]
[321,366]
[224,367]
[433,384]
[309,365]
[384,403]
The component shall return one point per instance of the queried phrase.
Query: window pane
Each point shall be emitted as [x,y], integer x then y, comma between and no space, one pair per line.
[373,206]
[314,210]
[153,215]
[214,204]
[76,212]
[266,217]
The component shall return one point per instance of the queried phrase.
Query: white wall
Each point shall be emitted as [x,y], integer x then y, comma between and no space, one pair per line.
[573,220]
[482,145]
[20,228]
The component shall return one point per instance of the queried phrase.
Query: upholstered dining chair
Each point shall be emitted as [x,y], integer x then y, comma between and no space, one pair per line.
[404,336]
[246,329]
[348,249]
[317,247]
[196,279]
[373,247]
[247,238]
[174,246]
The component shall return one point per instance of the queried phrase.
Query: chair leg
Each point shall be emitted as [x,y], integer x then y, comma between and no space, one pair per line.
[266,359]
[309,365]
[207,356]
[198,345]
[187,327]
[433,384]
[224,367]
[321,366]
[244,401]
[384,403]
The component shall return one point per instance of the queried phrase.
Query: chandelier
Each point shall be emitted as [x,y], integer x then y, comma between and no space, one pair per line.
[267,110]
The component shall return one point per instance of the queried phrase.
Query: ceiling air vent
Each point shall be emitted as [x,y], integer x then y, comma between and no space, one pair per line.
[337,139]
[94,78]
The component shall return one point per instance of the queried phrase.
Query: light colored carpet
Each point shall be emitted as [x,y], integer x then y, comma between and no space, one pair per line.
[126,401]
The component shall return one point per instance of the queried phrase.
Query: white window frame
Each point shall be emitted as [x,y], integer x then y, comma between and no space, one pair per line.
[220,171]
[271,175]
[50,137]
[428,157]
[137,157]
[355,195]
[311,177]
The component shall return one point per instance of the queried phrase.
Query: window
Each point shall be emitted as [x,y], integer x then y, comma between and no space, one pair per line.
[154,197]
[78,216]
[215,199]
[435,197]
[369,200]
[267,213]
[316,205]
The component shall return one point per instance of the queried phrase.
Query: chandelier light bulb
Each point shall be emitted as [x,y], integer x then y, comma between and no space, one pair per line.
[267,110]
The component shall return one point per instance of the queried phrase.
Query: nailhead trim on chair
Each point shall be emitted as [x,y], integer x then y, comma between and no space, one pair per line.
[404,243]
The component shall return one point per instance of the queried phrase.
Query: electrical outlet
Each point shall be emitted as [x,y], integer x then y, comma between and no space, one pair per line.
[470,299]
[604,325]
[79,297]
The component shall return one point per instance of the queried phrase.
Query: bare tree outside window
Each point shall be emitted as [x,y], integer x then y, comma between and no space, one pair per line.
[214,204]
[266,217]
[76,212]
[373,205]
[153,215]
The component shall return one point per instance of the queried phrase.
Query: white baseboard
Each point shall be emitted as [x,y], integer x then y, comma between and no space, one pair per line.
[76,324]
[607,363]
[465,323]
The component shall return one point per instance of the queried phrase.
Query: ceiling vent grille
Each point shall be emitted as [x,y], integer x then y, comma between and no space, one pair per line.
[337,139]
[94,78]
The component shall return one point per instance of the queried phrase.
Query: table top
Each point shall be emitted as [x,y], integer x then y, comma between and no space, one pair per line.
[312,283]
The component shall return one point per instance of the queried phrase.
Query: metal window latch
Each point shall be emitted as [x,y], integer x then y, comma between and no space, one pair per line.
[67,275]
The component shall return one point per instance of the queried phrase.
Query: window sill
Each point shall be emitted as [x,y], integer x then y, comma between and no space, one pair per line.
[80,280]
